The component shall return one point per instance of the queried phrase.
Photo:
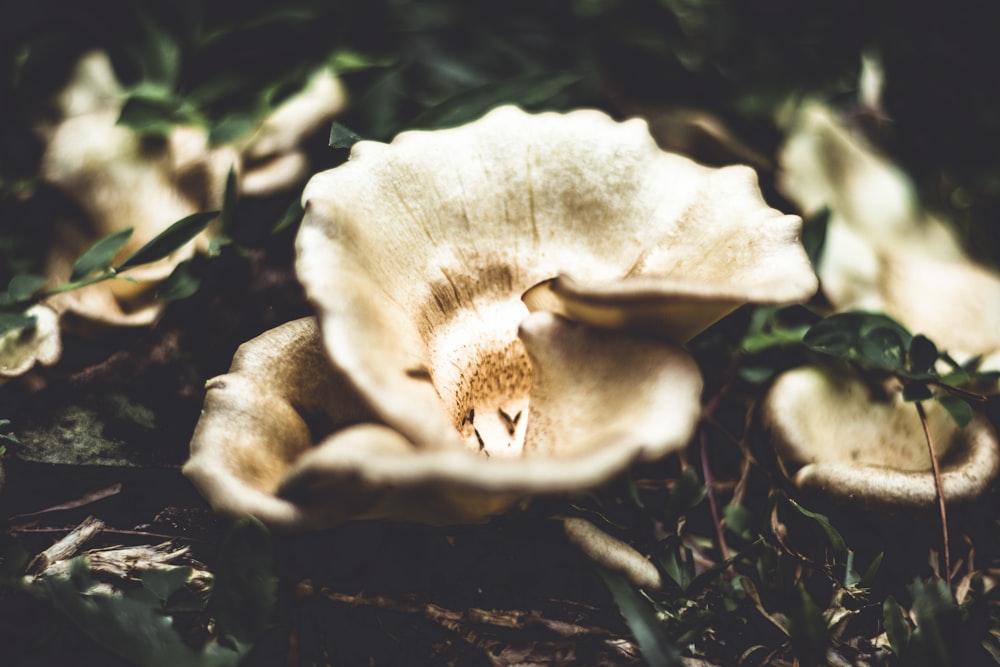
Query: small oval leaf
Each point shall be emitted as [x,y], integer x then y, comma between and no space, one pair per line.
[923,354]
[100,255]
[24,286]
[181,283]
[169,240]
[882,347]
[897,630]
[958,408]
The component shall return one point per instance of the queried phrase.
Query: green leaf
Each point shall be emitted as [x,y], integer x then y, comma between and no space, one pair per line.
[869,576]
[686,493]
[24,286]
[808,633]
[897,629]
[342,137]
[739,520]
[830,336]
[937,618]
[245,584]
[678,564]
[835,538]
[814,236]
[169,240]
[293,214]
[166,581]
[914,390]
[100,255]
[526,90]
[181,283]
[641,620]
[154,110]
[227,216]
[756,374]
[882,347]
[13,321]
[158,53]
[958,408]
[234,126]
[923,354]
[129,623]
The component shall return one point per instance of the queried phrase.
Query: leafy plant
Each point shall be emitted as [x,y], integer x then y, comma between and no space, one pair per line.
[138,622]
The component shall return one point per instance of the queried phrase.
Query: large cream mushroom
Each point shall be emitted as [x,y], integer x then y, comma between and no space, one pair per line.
[121,179]
[429,390]
[836,434]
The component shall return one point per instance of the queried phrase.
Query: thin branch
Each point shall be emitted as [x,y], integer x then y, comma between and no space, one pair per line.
[938,490]
[706,470]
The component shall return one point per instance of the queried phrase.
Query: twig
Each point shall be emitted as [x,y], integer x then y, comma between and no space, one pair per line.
[938,490]
[707,414]
[712,504]
[67,547]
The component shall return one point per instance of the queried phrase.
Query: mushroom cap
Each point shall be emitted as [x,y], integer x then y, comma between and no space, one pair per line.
[21,349]
[121,179]
[835,436]
[444,397]
[883,252]
[413,245]
[284,437]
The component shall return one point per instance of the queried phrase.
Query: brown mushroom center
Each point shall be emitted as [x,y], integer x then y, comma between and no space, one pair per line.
[483,375]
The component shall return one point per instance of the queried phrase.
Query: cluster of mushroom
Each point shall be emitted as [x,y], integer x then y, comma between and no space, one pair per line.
[501,312]
[119,179]
[837,434]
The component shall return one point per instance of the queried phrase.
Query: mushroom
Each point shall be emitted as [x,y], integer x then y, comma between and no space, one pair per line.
[883,252]
[841,438]
[121,178]
[459,397]
[22,347]
[834,433]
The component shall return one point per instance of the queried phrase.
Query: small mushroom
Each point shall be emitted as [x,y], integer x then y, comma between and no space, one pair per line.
[22,348]
[504,302]
[856,444]
[883,253]
[121,179]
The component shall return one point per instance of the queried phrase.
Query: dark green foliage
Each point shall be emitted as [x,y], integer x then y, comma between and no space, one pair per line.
[807,630]
[138,622]
[641,620]
[245,585]
[876,342]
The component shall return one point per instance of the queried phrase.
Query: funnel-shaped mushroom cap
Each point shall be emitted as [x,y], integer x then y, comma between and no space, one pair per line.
[417,255]
[284,437]
[837,438]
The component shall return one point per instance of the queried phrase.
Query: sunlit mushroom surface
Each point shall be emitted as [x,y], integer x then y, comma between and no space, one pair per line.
[501,310]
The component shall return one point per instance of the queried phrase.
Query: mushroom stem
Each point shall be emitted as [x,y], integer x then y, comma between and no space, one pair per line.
[937,488]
